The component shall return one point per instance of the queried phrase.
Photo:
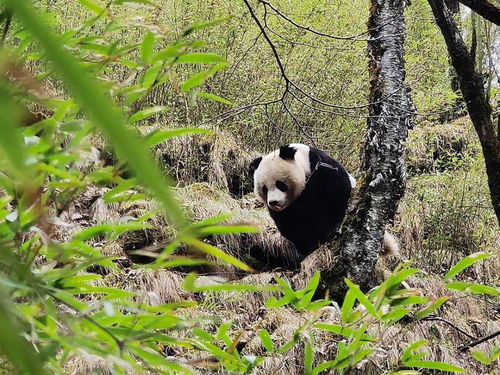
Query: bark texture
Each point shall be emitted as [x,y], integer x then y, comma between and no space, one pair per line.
[472,87]
[484,8]
[391,115]
[383,184]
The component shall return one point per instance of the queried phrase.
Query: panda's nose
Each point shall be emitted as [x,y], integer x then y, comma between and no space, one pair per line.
[273,203]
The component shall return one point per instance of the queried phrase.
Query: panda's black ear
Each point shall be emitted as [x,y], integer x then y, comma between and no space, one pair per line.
[255,164]
[287,152]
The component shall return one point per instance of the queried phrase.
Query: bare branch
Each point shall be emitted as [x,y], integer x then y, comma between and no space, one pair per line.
[479,341]
[353,38]
[484,8]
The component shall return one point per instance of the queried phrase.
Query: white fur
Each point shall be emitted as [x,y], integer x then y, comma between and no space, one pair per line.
[353,181]
[391,246]
[292,172]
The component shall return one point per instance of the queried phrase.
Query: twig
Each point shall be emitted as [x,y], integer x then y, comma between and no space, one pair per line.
[439,319]
[353,38]
[479,341]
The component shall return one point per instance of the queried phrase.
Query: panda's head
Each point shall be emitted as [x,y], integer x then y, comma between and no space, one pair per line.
[280,176]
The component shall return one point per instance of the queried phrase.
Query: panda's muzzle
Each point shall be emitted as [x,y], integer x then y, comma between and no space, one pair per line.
[275,206]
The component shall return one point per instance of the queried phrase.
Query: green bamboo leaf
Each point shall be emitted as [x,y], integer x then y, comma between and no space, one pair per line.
[200,58]
[267,341]
[473,288]
[309,355]
[484,289]
[395,315]
[214,97]
[213,251]
[310,289]
[466,262]
[12,146]
[92,6]
[343,331]
[324,366]
[347,306]
[116,229]
[480,356]
[146,113]
[431,308]
[361,297]
[101,110]
[202,25]
[202,334]
[147,48]
[168,53]
[159,136]
[13,345]
[408,352]
[435,365]
[201,77]
[228,229]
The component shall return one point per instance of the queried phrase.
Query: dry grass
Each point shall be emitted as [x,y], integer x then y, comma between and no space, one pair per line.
[439,147]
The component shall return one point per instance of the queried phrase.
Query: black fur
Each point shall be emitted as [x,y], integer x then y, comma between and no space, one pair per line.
[287,152]
[317,214]
[255,164]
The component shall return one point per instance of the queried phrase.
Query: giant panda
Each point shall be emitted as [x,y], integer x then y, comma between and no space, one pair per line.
[306,192]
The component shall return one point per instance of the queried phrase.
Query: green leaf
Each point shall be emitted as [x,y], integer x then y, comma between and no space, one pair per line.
[267,341]
[431,308]
[13,345]
[146,113]
[466,262]
[361,297]
[147,48]
[167,53]
[201,77]
[100,109]
[309,355]
[159,136]
[344,331]
[200,58]
[202,334]
[473,288]
[213,251]
[408,352]
[484,289]
[92,6]
[150,76]
[395,315]
[202,25]
[435,365]
[347,306]
[480,356]
[214,97]
[228,229]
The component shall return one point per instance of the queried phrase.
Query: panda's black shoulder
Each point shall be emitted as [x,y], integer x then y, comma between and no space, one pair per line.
[316,156]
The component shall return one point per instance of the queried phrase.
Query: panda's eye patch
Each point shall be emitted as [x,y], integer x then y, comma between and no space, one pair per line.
[281,186]
[264,190]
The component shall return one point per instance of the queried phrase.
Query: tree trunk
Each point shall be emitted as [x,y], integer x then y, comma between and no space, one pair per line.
[472,87]
[383,183]
[390,118]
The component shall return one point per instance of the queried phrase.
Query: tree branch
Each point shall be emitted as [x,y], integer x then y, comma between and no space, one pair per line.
[484,8]
[479,341]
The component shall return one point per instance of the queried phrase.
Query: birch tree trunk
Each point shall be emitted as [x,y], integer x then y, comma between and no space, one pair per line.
[383,183]
[472,87]
[390,118]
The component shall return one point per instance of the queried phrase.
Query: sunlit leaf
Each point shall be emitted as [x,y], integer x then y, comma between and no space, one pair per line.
[466,262]
[431,308]
[434,365]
